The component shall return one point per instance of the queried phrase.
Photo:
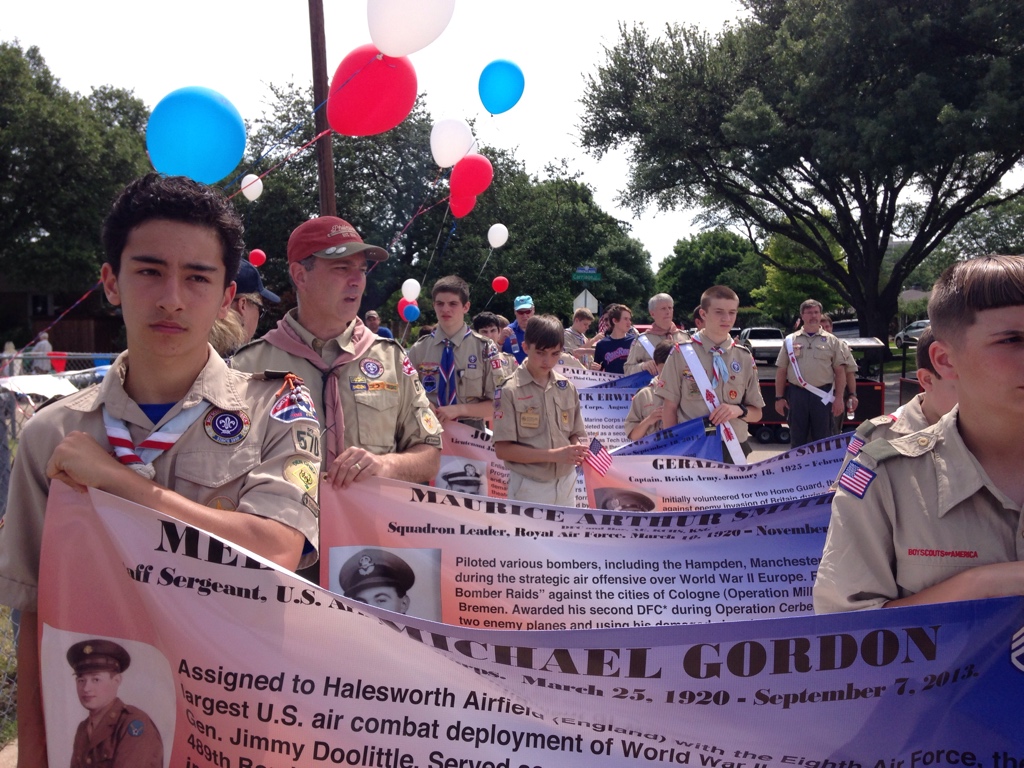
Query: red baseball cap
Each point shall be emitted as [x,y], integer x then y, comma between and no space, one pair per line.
[329,237]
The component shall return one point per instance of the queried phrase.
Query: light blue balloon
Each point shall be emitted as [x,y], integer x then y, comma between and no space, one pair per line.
[411,312]
[195,132]
[501,86]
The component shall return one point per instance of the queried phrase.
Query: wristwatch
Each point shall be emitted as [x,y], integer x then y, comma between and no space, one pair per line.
[744,409]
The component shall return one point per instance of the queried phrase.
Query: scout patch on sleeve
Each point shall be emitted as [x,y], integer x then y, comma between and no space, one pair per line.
[226,427]
[407,367]
[307,439]
[856,478]
[430,422]
[561,384]
[294,405]
[302,473]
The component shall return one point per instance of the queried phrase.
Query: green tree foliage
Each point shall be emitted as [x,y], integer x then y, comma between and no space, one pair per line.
[63,157]
[825,121]
[714,257]
[384,181]
[783,291]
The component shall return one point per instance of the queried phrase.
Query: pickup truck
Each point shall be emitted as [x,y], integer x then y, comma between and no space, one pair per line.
[764,343]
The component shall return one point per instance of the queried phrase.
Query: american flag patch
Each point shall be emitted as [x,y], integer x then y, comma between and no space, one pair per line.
[856,443]
[599,458]
[856,478]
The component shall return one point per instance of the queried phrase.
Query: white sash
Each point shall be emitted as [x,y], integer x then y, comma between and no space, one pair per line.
[700,377]
[826,397]
[647,345]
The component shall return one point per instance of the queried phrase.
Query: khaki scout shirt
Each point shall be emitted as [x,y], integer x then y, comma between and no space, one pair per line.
[906,420]
[638,354]
[270,471]
[571,340]
[643,403]
[479,367]
[676,383]
[929,512]
[385,407]
[538,416]
[125,738]
[818,356]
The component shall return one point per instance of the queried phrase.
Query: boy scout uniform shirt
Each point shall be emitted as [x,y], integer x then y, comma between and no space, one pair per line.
[817,355]
[479,367]
[265,467]
[906,420]
[919,511]
[638,354]
[125,738]
[538,416]
[385,407]
[643,403]
[741,388]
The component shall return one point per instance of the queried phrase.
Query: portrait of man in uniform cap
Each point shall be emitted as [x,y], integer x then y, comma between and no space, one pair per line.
[113,734]
[379,578]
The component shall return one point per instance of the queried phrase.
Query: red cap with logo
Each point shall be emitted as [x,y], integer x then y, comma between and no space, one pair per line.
[329,237]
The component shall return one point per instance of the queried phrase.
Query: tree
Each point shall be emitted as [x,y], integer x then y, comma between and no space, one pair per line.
[63,157]
[782,292]
[824,121]
[714,257]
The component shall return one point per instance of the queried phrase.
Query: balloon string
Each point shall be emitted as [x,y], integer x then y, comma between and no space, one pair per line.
[489,252]
[60,317]
[305,146]
[436,241]
[421,210]
[489,300]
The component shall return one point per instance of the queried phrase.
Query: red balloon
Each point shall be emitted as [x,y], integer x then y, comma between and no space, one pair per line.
[499,284]
[370,93]
[461,205]
[403,303]
[471,176]
[257,257]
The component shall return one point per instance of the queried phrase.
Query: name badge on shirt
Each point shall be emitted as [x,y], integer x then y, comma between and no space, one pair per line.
[529,419]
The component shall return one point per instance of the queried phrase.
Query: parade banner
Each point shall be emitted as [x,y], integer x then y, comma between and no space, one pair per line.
[237,663]
[691,438]
[502,564]
[673,484]
[604,401]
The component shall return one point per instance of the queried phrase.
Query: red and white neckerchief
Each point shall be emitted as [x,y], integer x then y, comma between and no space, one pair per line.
[826,397]
[700,378]
[719,370]
[141,457]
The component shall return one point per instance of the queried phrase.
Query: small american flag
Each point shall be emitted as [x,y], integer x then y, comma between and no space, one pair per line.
[599,458]
[856,479]
[856,443]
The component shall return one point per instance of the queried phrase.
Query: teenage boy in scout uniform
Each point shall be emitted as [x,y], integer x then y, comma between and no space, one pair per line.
[819,365]
[214,448]
[646,409]
[936,516]
[459,368]
[538,427]
[727,366]
[488,325]
[114,734]
[375,417]
[641,354]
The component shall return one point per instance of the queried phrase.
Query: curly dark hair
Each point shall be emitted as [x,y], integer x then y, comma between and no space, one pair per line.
[174,198]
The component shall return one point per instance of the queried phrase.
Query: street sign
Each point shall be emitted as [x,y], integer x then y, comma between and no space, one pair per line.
[585,299]
[586,277]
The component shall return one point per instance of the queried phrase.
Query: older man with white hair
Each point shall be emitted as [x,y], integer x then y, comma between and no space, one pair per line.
[641,354]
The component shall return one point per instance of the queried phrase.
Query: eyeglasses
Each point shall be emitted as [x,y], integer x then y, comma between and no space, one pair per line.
[258,304]
[524,311]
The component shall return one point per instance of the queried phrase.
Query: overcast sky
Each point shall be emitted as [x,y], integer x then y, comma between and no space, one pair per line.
[237,48]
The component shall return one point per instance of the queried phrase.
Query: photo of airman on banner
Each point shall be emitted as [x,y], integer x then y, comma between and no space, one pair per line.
[125,692]
[468,463]
[405,581]
[462,475]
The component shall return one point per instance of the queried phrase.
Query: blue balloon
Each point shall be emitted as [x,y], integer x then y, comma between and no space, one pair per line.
[195,132]
[501,86]
[411,312]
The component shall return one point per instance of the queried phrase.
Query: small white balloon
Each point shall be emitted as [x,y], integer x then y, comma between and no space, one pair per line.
[252,186]
[497,235]
[450,140]
[410,289]
[401,27]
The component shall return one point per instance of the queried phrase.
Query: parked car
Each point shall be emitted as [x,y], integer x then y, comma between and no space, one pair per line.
[764,343]
[846,329]
[910,334]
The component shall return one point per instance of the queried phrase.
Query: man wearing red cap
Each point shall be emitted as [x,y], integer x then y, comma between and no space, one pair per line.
[375,415]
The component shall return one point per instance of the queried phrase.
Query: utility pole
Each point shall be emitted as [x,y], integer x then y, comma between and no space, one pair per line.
[321,84]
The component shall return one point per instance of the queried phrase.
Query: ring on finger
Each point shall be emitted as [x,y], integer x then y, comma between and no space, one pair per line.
[358,468]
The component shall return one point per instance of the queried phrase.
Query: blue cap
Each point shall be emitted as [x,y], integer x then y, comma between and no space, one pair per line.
[523,302]
[249,281]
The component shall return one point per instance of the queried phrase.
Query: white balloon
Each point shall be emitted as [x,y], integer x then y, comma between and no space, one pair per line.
[252,186]
[450,140]
[497,235]
[401,27]
[410,289]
